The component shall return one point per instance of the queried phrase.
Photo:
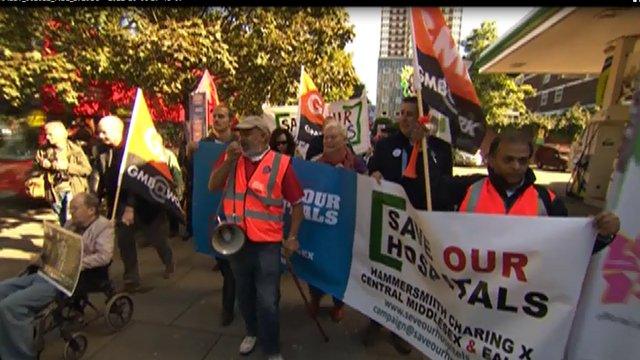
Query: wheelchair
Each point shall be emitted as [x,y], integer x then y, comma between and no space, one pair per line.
[69,313]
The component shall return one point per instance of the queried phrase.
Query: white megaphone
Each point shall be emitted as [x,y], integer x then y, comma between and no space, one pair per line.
[228,238]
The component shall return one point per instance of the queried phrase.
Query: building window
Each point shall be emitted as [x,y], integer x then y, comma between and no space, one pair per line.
[546,78]
[543,98]
[398,100]
[386,70]
[557,97]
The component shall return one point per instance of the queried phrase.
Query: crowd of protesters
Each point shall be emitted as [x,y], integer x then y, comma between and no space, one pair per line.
[88,159]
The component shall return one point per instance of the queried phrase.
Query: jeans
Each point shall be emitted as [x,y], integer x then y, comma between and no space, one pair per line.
[20,300]
[228,286]
[156,232]
[256,268]
[61,207]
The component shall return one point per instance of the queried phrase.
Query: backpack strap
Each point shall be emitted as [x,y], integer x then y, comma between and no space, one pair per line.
[543,194]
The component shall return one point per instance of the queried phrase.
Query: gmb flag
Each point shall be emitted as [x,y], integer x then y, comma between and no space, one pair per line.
[144,170]
[311,108]
[443,82]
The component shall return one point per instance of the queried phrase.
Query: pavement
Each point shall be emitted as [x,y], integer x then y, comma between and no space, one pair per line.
[180,318]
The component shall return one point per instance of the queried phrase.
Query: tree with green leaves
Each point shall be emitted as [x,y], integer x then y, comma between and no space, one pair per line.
[502,99]
[255,53]
[271,44]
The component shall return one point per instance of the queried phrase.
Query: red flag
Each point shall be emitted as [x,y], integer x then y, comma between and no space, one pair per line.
[410,170]
[443,82]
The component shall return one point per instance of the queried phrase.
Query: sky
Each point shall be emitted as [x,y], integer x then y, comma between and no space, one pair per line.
[366,44]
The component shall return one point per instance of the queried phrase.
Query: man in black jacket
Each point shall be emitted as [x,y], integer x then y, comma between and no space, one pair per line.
[133,213]
[510,189]
[391,155]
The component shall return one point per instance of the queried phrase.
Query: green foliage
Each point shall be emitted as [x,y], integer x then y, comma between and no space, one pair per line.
[256,53]
[502,99]
[406,81]
[568,125]
[271,44]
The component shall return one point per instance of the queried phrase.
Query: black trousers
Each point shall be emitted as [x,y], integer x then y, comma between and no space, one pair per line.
[228,286]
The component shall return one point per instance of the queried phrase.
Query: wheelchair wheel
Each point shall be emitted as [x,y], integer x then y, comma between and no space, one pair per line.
[119,311]
[75,347]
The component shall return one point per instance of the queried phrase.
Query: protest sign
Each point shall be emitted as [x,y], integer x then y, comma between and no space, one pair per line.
[61,257]
[197,124]
[354,116]
[607,324]
[205,204]
[286,117]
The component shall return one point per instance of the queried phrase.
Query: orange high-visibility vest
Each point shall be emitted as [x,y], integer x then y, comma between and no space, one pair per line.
[257,205]
[483,198]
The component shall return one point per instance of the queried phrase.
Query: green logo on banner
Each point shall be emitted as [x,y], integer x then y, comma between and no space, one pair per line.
[357,139]
[378,200]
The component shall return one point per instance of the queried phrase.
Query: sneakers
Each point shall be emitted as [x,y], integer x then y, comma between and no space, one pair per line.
[275,357]
[169,270]
[247,345]
[337,313]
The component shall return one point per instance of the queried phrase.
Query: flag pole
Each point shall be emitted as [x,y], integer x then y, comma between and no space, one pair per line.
[416,81]
[123,161]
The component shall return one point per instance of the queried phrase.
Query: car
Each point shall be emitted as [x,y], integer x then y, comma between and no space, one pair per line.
[17,151]
[551,156]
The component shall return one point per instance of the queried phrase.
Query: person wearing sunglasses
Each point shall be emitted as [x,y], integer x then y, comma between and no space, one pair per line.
[282,141]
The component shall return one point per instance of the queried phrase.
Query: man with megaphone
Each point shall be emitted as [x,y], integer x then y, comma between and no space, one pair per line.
[255,182]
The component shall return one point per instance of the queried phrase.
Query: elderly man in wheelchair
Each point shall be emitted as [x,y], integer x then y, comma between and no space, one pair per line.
[30,300]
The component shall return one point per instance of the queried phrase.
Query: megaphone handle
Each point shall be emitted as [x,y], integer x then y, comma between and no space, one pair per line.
[306,302]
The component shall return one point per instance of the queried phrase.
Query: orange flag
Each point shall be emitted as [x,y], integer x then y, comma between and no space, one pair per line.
[410,170]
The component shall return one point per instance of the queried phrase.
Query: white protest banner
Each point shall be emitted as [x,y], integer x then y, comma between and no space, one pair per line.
[61,257]
[354,116]
[607,324]
[466,286]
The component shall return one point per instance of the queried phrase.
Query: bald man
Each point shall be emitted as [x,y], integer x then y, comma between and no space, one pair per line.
[133,213]
[65,167]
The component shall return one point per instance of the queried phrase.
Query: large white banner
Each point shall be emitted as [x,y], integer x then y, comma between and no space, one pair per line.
[467,286]
[607,325]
